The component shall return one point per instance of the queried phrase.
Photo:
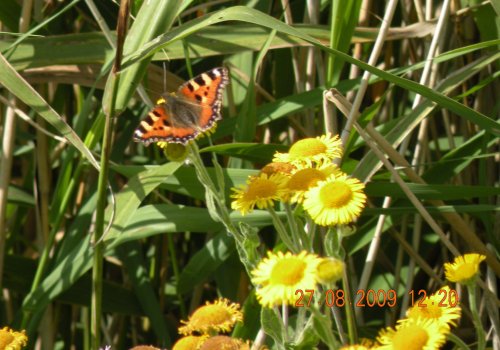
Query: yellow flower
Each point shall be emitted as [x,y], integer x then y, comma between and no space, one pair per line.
[12,340]
[441,307]
[412,334]
[337,200]
[222,342]
[260,191]
[219,316]
[302,180]
[309,151]
[281,275]
[190,342]
[329,270]
[464,268]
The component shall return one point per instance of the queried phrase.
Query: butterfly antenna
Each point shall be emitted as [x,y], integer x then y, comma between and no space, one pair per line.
[164,76]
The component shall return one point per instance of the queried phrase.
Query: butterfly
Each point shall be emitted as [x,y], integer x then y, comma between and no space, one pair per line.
[185,115]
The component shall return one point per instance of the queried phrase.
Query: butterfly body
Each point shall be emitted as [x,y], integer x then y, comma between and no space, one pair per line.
[183,116]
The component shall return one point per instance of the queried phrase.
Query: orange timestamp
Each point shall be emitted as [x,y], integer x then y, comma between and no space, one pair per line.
[338,298]
[449,298]
[372,298]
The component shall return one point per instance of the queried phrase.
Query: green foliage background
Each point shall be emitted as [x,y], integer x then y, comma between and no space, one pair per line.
[164,254]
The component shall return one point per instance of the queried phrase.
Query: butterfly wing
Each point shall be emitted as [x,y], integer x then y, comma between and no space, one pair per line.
[158,126]
[194,110]
[206,90]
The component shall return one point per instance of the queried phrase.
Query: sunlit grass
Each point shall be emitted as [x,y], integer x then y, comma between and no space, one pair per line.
[170,239]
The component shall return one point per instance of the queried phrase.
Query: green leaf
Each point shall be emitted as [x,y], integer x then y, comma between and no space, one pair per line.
[255,152]
[207,260]
[161,218]
[18,196]
[322,326]
[20,88]
[457,159]
[77,260]
[273,326]
[19,272]
[251,321]
[184,180]
[10,12]
[245,14]
[145,292]
[153,18]
[368,164]
[443,192]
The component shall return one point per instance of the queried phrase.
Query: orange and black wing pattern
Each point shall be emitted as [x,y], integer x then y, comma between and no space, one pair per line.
[194,110]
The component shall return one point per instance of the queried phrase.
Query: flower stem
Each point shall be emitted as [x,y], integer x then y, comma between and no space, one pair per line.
[472,289]
[457,341]
[351,322]
[284,314]
[280,228]
[212,193]
[299,234]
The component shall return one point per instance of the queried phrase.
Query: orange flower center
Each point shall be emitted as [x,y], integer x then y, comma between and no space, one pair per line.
[431,311]
[5,339]
[210,315]
[221,342]
[261,188]
[335,195]
[306,148]
[288,272]
[277,167]
[304,179]
[411,338]
[468,270]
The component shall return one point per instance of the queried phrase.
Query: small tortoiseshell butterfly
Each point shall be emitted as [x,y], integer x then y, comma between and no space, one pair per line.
[183,116]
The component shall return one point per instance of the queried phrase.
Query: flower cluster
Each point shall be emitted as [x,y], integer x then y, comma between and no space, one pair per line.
[279,275]
[308,185]
[307,176]
[426,328]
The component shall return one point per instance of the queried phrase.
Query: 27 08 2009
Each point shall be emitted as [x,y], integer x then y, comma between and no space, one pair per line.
[338,298]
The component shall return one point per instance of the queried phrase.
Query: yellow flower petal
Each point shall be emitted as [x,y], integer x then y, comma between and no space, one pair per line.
[441,307]
[304,179]
[309,151]
[219,316]
[222,342]
[190,342]
[412,334]
[279,276]
[12,340]
[260,191]
[464,268]
[337,200]
[329,270]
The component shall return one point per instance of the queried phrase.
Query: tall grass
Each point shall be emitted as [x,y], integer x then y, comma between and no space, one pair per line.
[419,80]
